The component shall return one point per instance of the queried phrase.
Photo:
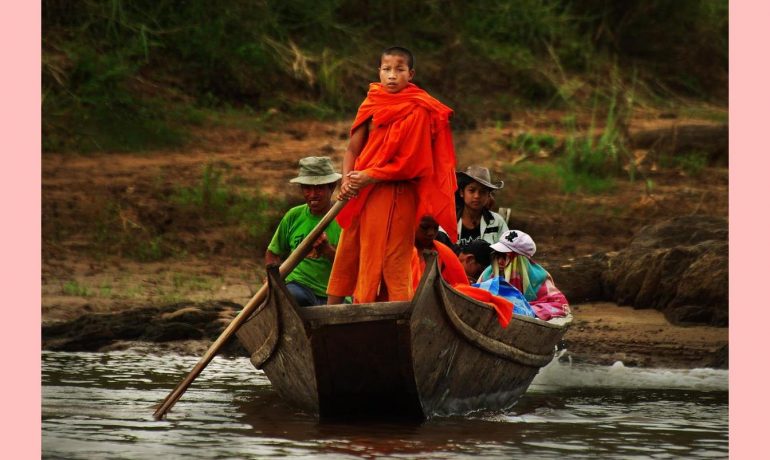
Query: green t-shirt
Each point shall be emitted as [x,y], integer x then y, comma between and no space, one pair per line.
[294,227]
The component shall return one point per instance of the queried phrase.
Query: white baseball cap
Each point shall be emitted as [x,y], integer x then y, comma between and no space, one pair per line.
[515,241]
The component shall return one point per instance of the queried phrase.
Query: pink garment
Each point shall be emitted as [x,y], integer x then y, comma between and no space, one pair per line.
[550,302]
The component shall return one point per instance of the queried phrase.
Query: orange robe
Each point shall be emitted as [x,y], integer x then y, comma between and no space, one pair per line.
[450,266]
[503,307]
[410,151]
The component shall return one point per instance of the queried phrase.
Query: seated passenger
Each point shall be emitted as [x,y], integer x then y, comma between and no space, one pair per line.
[474,219]
[475,257]
[307,282]
[512,260]
[425,239]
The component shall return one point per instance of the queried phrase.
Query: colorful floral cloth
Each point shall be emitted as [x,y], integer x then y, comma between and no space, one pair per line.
[535,283]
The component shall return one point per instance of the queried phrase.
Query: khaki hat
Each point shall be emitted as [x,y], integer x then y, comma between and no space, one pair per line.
[481,175]
[516,241]
[316,171]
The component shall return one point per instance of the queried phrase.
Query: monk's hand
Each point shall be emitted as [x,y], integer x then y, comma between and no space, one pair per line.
[359,179]
[347,190]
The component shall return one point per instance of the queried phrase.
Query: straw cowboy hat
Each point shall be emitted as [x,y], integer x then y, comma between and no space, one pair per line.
[516,241]
[316,171]
[480,174]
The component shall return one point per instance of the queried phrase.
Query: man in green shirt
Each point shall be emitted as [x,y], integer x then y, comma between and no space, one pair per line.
[307,282]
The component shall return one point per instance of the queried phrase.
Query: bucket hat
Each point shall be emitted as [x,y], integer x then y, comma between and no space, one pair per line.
[316,171]
[516,241]
[480,174]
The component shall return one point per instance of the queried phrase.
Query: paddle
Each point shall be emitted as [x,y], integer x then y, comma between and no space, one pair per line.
[286,267]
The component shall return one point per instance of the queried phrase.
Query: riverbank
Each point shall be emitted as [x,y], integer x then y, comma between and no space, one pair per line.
[602,333]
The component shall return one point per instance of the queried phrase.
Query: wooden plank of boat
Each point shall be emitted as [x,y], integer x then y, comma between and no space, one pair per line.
[337,360]
[463,360]
[442,353]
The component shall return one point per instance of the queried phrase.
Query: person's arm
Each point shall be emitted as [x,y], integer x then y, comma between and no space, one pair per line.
[323,248]
[272,258]
[278,243]
[353,181]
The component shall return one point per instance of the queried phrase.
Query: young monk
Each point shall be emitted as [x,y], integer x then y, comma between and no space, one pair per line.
[399,164]
[449,265]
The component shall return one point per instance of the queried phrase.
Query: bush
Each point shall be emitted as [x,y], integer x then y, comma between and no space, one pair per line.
[118,74]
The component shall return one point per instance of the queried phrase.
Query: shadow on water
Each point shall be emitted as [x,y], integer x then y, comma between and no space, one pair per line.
[578,421]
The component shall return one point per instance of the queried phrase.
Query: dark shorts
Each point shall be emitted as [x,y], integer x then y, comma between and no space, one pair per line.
[303,295]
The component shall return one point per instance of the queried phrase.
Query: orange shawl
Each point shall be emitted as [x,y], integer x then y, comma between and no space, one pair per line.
[451,268]
[503,307]
[406,143]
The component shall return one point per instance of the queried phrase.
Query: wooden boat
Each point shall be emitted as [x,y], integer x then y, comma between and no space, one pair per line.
[442,353]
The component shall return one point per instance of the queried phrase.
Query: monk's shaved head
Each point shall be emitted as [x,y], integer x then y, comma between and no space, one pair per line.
[399,51]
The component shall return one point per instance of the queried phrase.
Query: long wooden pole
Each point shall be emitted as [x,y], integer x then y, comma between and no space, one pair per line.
[286,267]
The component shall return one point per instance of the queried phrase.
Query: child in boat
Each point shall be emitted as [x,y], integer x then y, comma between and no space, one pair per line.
[475,257]
[425,239]
[512,260]
[474,218]
[399,164]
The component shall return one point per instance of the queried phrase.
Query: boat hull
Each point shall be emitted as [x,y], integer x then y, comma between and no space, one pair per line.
[443,353]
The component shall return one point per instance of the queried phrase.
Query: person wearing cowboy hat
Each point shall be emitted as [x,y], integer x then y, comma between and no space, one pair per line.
[307,282]
[474,219]
[512,261]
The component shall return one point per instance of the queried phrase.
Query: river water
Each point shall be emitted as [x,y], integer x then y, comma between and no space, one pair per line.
[100,405]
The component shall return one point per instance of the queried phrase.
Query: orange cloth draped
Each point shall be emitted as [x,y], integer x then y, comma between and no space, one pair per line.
[409,150]
[409,138]
[449,265]
[503,308]
[377,247]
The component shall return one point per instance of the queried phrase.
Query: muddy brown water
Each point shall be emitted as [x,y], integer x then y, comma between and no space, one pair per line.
[99,405]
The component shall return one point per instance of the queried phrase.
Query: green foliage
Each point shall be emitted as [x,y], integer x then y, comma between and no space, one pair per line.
[73,288]
[191,282]
[105,290]
[601,155]
[134,74]
[149,250]
[558,175]
[213,201]
[532,143]
[691,163]
[115,231]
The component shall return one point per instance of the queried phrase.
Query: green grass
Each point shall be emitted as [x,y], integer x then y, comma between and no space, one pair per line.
[183,281]
[555,174]
[138,75]
[690,163]
[162,221]
[74,288]
[215,201]
[531,143]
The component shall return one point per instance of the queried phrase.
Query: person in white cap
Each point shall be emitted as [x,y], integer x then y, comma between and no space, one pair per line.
[512,260]
[307,282]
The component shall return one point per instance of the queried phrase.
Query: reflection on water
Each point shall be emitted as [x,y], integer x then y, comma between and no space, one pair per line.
[99,405]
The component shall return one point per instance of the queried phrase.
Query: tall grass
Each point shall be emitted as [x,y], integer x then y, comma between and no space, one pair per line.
[119,74]
[165,221]
[214,202]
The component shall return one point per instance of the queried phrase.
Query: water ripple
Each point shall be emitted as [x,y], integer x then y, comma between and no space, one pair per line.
[99,405]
